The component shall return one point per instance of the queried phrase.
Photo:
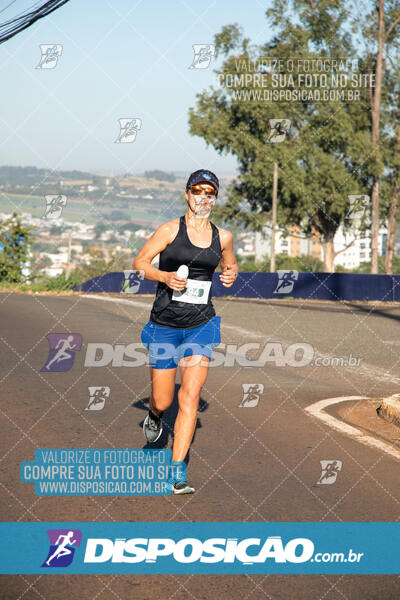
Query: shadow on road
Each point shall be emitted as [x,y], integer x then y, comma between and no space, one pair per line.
[328,306]
[377,312]
[169,416]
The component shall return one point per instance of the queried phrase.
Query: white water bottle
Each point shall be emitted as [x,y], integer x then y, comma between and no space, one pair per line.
[183,271]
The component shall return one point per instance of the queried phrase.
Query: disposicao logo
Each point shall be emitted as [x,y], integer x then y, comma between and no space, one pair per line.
[62,547]
[190,550]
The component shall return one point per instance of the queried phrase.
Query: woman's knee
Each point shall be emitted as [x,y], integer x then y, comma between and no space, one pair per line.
[162,388]
[188,399]
[161,400]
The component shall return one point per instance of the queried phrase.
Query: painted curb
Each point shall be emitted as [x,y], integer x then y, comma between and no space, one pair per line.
[390,409]
[317,410]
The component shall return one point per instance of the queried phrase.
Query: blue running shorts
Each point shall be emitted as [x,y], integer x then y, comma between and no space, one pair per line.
[167,345]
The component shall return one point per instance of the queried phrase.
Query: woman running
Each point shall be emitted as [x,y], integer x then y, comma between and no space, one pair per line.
[183,327]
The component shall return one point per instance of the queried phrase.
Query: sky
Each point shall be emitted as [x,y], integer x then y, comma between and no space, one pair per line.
[119,59]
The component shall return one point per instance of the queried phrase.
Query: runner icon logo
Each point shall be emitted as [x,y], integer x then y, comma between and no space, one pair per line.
[330,471]
[286,281]
[358,214]
[54,206]
[62,351]
[251,394]
[279,130]
[128,129]
[62,547]
[98,396]
[203,54]
[132,281]
[50,55]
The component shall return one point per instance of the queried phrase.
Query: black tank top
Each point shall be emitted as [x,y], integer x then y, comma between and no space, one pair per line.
[202,263]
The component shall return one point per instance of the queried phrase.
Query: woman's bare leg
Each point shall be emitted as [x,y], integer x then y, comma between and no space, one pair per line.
[162,389]
[192,380]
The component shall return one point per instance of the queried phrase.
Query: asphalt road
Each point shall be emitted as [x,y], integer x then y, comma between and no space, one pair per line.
[259,463]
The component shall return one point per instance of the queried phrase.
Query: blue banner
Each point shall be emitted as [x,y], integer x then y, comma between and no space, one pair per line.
[285,283]
[199,548]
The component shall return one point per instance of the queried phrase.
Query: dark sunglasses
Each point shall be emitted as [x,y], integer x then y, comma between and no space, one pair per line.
[210,193]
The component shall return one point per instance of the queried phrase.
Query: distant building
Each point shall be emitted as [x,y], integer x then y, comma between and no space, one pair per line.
[142,233]
[397,244]
[58,263]
[74,182]
[360,249]
[295,244]
[246,244]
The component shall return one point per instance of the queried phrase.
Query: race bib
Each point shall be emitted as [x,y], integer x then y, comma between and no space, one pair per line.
[195,292]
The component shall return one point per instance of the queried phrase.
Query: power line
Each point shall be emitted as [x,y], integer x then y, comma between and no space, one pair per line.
[8,6]
[13,26]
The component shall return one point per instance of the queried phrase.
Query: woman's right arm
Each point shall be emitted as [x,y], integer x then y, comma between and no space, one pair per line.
[154,245]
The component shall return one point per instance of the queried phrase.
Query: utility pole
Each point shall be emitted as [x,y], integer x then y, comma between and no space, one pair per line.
[274,207]
[68,269]
[375,132]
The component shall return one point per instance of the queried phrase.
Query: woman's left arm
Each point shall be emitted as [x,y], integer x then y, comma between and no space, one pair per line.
[228,262]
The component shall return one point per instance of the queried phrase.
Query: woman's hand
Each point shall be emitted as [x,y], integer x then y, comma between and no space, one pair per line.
[228,276]
[174,282]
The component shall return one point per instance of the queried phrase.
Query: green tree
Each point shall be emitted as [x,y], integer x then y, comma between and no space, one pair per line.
[100,228]
[159,175]
[302,264]
[315,176]
[329,152]
[365,267]
[98,264]
[15,242]
[390,180]
[56,229]
[380,29]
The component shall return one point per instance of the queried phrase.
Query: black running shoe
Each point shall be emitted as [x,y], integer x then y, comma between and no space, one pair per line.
[182,487]
[152,427]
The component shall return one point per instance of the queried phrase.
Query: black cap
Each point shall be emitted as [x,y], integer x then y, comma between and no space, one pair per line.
[203,176]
